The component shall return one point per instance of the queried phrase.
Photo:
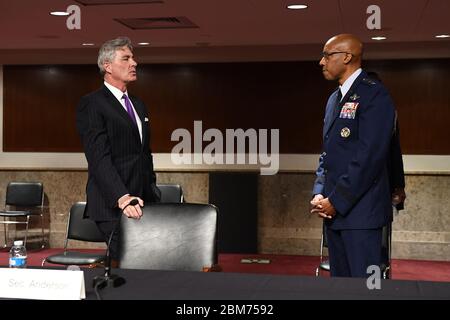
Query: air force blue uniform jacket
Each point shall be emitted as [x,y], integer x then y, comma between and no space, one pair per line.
[352,170]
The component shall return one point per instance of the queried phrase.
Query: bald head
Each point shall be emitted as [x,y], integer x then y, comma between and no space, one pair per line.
[342,56]
[348,43]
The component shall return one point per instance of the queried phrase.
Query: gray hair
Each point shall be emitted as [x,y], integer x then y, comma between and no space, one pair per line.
[107,51]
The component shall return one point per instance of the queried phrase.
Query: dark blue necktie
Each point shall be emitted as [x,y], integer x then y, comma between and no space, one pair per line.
[337,103]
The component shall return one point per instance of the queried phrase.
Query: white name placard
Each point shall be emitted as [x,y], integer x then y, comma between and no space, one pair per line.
[42,284]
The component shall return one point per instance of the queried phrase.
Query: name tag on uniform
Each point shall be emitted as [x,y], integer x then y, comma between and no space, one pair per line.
[348,111]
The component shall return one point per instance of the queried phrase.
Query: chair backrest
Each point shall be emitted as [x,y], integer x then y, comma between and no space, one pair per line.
[324,236]
[171,193]
[170,236]
[24,194]
[385,236]
[82,229]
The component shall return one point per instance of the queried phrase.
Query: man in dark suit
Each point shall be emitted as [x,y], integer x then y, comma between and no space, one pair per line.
[352,191]
[115,133]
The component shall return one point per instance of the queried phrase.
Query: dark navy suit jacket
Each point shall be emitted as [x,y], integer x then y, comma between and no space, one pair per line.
[352,170]
[118,163]
[395,165]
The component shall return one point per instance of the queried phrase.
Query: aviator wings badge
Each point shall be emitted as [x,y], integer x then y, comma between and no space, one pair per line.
[354,97]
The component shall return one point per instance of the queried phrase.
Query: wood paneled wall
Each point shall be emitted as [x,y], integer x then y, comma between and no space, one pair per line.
[40,102]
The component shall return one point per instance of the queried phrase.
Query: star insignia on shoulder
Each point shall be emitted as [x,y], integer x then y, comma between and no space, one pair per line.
[369,81]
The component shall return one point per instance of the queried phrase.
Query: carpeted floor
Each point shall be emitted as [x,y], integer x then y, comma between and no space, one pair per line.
[306,265]
[287,264]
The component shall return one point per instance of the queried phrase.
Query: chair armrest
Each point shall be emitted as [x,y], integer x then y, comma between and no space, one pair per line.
[15,213]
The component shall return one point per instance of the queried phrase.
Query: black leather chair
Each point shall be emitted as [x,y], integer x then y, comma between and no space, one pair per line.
[80,229]
[324,264]
[386,247]
[170,236]
[171,193]
[27,198]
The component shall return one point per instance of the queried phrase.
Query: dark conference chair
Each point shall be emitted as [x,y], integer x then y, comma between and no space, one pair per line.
[82,230]
[324,264]
[171,193]
[386,247]
[171,236]
[27,198]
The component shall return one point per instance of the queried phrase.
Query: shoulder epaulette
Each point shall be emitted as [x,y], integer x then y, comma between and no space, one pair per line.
[369,81]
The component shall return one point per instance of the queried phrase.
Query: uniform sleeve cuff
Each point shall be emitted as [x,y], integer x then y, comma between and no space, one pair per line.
[341,205]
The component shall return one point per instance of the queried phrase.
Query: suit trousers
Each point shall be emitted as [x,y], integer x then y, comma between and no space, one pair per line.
[352,251]
[107,228]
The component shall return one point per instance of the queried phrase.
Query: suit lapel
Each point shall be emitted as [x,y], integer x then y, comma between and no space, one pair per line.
[117,107]
[140,110]
[329,111]
[349,93]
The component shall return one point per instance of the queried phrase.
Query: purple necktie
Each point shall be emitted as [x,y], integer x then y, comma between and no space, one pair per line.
[129,108]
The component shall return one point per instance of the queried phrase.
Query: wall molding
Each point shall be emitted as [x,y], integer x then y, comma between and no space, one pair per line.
[414,164]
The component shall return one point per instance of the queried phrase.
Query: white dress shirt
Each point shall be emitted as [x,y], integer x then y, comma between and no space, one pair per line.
[348,83]
[119,94]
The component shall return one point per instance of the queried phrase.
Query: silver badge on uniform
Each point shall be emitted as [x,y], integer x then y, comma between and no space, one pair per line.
[345,132]
[354,97]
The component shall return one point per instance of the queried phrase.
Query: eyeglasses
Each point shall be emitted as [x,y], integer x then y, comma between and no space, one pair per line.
[327,55]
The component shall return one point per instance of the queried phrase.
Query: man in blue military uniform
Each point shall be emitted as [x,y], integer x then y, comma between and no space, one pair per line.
[395,162]
[396,181]
[352,191]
